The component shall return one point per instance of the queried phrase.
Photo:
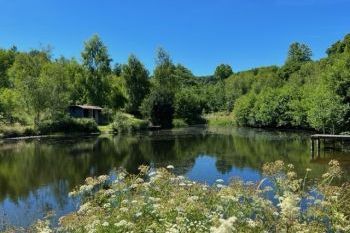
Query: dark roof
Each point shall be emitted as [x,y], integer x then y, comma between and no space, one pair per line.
[87,107]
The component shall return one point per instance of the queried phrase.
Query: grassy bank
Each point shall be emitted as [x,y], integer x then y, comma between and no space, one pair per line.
[159,201]
[220,119]
[65,125]
[16,130]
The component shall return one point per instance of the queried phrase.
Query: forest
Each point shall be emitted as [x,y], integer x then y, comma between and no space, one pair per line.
[36,90]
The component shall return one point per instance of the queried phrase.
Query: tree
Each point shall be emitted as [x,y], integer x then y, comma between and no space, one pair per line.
[137,83]
[7,58]
[223,71]
[97,63]
[159,107]
[54,78]
[118,95]
[297,55]
[188,106]
[164,72]
[326,112]
[24,74]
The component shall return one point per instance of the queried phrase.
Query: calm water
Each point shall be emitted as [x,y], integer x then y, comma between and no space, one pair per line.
[36,175]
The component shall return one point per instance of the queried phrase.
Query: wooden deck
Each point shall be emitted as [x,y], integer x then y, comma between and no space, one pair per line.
[329,136]
[332,138]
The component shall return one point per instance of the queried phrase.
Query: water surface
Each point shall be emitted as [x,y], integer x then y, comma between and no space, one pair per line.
[36,175]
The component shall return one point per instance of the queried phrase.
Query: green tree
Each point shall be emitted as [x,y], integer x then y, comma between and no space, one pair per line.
[159,107]
[25,75]
[164,72]
[223,71]
[188,106]
[7,58]
[97,63]
[297,55]
[137,83]
[54,79]
[326,112]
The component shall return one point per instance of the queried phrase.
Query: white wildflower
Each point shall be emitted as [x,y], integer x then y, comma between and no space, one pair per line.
[105,224]
[226,226]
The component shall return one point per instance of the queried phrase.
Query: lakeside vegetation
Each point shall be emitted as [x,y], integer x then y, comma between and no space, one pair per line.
[302,93]
[159,201]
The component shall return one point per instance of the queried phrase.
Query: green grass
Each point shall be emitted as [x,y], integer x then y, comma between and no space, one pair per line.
[220,119]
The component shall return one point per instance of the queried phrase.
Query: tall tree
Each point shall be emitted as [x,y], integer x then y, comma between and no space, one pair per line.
[96,61]
[7,58]
[299,53]
[25,75]
[137,83]
[164,73]
[223,71]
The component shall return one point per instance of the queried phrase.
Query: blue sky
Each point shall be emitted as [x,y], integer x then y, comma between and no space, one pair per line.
[197,33]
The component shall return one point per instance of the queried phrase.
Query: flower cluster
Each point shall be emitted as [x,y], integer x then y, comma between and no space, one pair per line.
[159,201]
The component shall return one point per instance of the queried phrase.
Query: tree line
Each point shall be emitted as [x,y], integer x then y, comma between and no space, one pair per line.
[301,93]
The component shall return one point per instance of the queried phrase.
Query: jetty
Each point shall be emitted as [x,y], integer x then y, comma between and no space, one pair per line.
[331,139]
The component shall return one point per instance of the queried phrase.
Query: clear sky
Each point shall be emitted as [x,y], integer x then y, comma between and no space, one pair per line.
[197,33]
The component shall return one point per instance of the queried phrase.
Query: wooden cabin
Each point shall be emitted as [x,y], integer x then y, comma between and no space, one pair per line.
[86,111]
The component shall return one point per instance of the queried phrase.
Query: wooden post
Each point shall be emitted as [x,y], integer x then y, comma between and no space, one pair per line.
[318,147]
[312,148]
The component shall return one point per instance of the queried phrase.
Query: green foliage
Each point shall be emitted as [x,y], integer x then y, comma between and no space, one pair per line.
[243,110]
[164,72]
[297,55]
[97,63]
[68,125]
[301,94]
[25,75]
[126,123]
[135,203]
[326,111]
[16,130]
[7,58]
[159,107]
[188,106]
[179,123]
[220,119]
[136,82]
[223,71]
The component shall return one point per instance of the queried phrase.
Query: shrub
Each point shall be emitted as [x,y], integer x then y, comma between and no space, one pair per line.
[68,125]
[159,108]
[220,119]
[160,201]
[179,123]
[16,130]
[126,123]
[188,106]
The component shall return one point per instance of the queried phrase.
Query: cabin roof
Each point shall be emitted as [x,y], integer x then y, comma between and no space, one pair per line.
[88,107]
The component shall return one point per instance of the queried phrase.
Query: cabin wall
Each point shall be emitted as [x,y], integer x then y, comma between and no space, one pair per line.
[77,112]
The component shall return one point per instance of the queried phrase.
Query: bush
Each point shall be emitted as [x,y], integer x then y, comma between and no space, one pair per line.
[188,106]
[16,130]
[68,125]
[159,108]
[179,123]
[220,119]
[126,123]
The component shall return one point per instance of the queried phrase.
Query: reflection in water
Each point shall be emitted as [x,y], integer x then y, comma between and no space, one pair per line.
[36,175]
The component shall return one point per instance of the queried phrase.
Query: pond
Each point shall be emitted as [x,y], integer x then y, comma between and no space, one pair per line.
[36,175]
